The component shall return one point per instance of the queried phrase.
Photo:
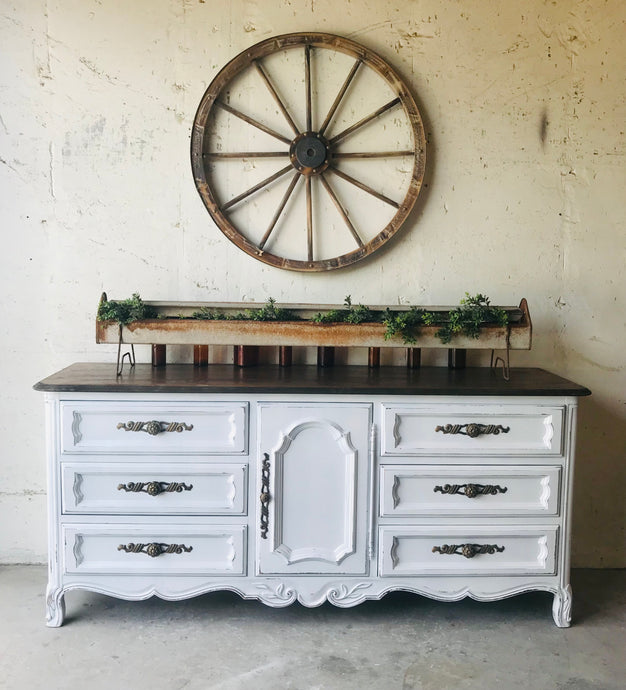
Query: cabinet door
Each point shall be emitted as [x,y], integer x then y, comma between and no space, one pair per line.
[316,461]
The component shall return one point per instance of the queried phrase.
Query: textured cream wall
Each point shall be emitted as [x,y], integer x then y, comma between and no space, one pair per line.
[97,101]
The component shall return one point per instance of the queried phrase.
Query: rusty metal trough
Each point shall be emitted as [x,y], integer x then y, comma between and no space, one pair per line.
[174,326]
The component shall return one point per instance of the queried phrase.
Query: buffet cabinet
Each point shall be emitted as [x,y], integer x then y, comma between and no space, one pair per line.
[309,485]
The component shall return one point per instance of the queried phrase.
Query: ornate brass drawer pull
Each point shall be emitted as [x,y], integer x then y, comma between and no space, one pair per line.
[471,490]
[155,488]
[153,427]
[154,549]
[467,550]
[265,495]
[473,430]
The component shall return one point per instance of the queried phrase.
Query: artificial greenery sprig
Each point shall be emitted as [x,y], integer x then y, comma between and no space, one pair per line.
[405,324]
[467,319]
[126,311]
[351,314]
[268,312]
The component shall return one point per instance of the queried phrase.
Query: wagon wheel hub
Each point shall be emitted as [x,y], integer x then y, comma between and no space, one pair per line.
[309,153]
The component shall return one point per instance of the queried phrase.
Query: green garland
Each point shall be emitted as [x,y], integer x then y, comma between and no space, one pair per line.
[473,313]
[269,312]
[126,311]
[351,314]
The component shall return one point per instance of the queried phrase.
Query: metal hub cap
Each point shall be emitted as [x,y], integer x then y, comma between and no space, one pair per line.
[309,153]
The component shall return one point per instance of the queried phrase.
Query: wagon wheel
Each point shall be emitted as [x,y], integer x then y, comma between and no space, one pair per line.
[303,147]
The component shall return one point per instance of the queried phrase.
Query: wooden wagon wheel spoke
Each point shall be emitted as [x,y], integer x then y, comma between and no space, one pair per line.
[307,79]
[342,211]
[340,95]
[365,120]
[246,154]
[252,121]
[368,79]
[274,93]
[373,154]
[364,187]
[309,220]
[279,210]
[263,183]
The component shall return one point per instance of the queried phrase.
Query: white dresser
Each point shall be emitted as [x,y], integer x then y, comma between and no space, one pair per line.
[309,484]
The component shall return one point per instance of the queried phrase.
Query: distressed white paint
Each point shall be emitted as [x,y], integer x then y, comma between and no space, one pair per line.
[97,101]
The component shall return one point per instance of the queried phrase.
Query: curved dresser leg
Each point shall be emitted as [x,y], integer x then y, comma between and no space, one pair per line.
[562,607]
[55,608]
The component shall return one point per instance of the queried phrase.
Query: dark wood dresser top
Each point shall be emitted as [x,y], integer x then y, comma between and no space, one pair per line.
[226,378]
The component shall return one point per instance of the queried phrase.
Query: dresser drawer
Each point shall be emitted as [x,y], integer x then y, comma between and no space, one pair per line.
[157,549]
[420,490]
[149,427]
[472,429]
[134,489]
[499,550]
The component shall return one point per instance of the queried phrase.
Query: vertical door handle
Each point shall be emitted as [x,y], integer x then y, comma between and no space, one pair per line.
[265,495]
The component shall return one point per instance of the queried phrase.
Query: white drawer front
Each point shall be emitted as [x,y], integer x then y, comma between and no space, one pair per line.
[182,550]
[154,428]
[472,429]
[406,551]
[420,490]
[127,488]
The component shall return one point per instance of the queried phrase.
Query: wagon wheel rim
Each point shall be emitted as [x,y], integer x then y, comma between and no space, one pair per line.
[309,153]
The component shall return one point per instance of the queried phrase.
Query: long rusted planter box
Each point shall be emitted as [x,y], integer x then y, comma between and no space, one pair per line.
[171,329]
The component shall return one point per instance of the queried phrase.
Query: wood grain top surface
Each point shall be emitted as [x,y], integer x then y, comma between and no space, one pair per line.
[226,378]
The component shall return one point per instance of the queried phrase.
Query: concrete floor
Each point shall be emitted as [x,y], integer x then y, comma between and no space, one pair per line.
[220,642]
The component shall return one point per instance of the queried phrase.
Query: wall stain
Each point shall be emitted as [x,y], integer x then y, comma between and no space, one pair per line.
[520,43]
[543,127]
[595,364]
[12,167]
